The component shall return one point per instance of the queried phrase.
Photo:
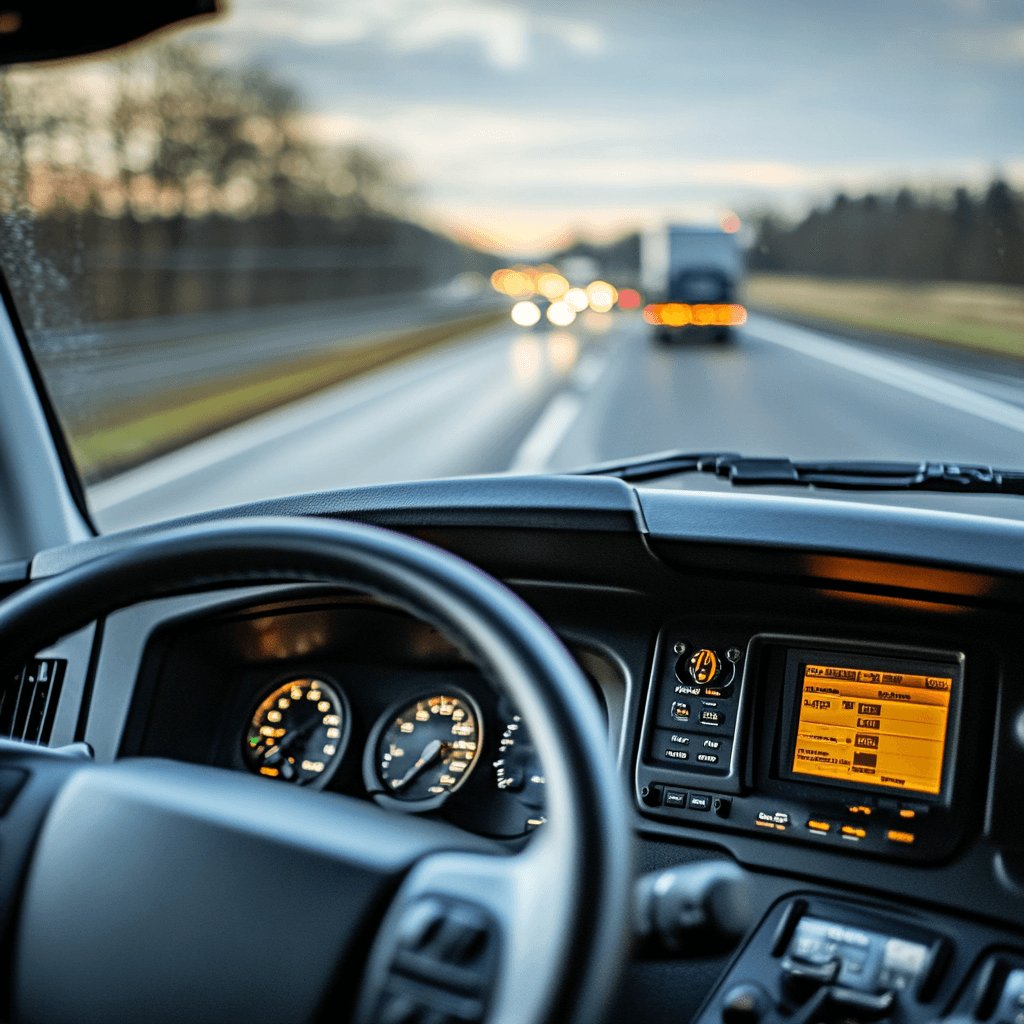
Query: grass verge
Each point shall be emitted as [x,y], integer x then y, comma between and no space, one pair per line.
[988,317]
[125,436]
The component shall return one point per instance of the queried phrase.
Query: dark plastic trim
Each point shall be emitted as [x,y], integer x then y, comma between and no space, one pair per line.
[60,443]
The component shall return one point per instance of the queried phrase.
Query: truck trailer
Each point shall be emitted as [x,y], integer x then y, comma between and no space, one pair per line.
[692,275]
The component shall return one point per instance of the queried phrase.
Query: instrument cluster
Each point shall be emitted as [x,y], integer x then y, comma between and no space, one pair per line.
[416,755]
[348,698]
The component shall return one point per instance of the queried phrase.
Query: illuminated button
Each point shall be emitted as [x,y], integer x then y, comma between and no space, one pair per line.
[704,666]
[860,809]
[906,812]
[712,744]
[680,711]
[772,819]
[711,717]
[900,837]
[675,798]
[699,802]
[679,739]
[821,827]
[677,755]
[708,758]
[853,832]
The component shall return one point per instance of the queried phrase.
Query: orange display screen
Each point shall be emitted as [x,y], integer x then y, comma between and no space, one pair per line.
[862,725]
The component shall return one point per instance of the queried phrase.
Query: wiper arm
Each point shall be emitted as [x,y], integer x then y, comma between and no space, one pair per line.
[954,477]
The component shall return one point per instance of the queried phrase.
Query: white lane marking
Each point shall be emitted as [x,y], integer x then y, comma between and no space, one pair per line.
[557,419]
[547,433]
[889,371]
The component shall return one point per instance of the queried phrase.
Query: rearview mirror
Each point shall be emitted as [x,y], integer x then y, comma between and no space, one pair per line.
[36,30]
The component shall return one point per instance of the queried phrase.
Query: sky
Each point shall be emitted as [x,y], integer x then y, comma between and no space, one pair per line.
[521,125]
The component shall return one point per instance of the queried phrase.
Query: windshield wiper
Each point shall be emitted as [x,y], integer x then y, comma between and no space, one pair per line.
[956,477]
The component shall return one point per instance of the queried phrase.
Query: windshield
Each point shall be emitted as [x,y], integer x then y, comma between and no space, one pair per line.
[312,245]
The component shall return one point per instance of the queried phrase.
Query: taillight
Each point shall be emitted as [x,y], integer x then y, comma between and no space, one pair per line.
[679,314]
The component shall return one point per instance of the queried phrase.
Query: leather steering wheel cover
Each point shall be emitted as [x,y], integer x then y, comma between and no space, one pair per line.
[587,807]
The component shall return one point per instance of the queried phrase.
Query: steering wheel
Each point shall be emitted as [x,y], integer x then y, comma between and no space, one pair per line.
[160,891]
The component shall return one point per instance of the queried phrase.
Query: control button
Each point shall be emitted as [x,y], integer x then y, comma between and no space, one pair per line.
[899,837]
[420,924]
[710,692]
[704,666]
[461,937]
[902,962]
[680,711]
[710,716]
[675,798]
[679,740]
[853,832]
[860,809]
[772,819]
[677,755]
[699,802]
[912,811]
[744,1004]
[821,828]
[711,744]
[707,758]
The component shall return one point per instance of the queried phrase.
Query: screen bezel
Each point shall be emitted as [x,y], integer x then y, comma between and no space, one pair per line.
[797,658]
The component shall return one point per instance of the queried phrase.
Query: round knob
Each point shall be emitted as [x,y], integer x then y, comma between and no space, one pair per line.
[744,1004]
[704,666]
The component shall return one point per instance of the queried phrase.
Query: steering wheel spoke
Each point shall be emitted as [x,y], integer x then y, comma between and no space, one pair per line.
[466,938]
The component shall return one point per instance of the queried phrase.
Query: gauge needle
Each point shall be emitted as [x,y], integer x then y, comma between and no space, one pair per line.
[430,754]
[289,741]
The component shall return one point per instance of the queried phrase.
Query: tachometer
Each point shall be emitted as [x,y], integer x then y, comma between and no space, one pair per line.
[517,769]
[298,733]
[423,751]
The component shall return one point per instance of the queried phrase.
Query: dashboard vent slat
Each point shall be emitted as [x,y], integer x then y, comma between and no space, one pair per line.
[28,704]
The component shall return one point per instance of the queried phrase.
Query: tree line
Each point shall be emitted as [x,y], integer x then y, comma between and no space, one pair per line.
[104,165]
[903,237]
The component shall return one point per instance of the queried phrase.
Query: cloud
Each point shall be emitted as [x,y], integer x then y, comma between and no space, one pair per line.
[1003,45]
[505,34]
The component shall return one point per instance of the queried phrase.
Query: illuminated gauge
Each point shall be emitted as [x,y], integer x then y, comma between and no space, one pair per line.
[517,768]
[298,733]
[422,752]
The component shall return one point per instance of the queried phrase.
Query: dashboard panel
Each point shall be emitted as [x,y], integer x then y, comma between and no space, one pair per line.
[714,625]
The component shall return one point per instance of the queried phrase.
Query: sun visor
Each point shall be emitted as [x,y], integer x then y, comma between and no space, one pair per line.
[37,30]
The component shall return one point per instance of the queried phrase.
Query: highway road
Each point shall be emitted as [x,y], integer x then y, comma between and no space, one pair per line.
[528,401]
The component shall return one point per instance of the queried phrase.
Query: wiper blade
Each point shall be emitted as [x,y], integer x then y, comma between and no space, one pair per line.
[956,477]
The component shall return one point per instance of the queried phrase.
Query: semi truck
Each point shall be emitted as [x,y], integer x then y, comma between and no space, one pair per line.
[692,276]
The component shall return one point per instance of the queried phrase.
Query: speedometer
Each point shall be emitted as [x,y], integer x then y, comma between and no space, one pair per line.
[424,750]
[297,733]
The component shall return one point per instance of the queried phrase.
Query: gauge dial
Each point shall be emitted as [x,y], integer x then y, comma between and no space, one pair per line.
[297,733]
[517,769]
[428,749]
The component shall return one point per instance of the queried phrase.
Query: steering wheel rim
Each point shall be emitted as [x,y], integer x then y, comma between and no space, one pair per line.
[568,891]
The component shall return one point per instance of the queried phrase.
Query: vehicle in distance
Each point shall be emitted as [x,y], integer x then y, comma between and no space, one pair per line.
[693,275]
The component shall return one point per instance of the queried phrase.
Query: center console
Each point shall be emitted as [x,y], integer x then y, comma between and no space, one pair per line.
[816,960]
[811,740]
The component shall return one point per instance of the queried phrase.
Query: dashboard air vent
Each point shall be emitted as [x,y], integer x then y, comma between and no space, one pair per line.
[28,703]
